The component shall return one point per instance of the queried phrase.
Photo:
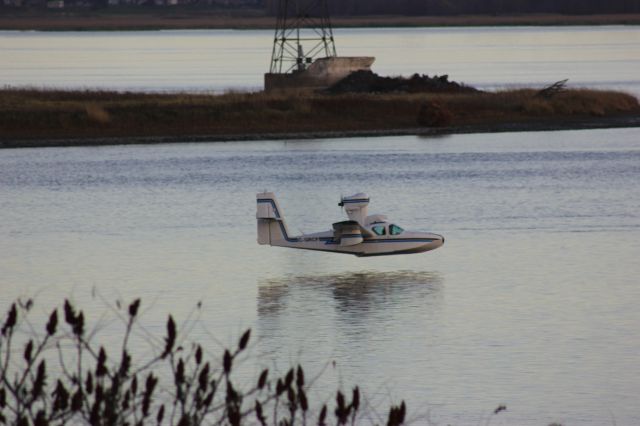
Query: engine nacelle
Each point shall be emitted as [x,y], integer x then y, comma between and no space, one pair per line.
[348,233]
[351,239]
[355,206]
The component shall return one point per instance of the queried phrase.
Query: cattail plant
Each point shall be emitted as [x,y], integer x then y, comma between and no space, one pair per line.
[93,385]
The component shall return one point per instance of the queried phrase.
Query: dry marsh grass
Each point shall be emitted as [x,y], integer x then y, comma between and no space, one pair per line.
[51,114]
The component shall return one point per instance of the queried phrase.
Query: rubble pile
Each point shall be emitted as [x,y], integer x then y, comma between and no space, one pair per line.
[370,82]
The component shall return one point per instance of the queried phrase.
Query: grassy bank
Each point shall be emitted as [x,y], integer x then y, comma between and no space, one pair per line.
[44,117]
[185,18]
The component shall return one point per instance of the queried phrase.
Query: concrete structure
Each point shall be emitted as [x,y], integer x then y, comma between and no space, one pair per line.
[322,73]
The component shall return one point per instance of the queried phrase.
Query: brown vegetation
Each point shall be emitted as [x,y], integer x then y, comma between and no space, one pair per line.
[52,114]
[60,373]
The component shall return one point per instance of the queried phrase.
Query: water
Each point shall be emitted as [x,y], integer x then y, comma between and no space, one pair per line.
[532,302]
[604,57]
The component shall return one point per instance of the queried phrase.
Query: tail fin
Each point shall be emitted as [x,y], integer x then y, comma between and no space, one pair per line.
[272,229]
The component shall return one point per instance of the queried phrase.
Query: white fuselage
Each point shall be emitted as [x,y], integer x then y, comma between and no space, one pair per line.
[407,242]
[374,237]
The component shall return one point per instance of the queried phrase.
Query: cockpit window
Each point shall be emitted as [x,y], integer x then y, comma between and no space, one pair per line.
[395,230]
[379,230]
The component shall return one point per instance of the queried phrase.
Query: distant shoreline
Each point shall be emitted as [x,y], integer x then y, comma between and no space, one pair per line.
[599,123]
[43,118]
[181,19]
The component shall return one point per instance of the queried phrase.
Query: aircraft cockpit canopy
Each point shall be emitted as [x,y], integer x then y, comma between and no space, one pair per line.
[381,229]
[395,230]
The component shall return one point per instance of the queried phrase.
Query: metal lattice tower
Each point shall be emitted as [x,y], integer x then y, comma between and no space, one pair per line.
[303,33]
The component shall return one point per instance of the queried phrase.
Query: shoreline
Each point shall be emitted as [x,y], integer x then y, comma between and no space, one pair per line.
[40,118]
[190,19]
[626,121]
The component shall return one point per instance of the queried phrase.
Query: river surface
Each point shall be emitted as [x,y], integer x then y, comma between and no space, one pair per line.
[532,302]
[604,57]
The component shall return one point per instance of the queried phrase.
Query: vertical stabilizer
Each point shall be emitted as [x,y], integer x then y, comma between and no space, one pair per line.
[272,229]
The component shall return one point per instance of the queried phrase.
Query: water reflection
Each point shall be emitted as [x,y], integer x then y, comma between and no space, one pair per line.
[320,316]
[359,292]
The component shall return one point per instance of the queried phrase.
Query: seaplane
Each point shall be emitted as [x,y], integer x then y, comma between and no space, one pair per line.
[362,235]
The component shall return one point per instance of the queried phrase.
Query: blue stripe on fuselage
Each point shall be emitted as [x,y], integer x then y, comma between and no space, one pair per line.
[401,240]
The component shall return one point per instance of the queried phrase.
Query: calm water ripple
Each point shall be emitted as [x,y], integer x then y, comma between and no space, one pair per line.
[532,302]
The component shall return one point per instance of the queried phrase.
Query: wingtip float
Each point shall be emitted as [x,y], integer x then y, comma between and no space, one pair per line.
[361,235]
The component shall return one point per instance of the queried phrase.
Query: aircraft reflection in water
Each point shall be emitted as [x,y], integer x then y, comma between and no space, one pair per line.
[352,292]
[361,235]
